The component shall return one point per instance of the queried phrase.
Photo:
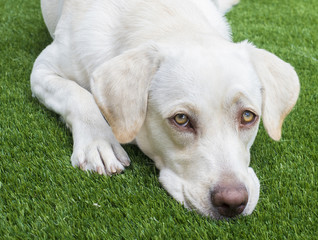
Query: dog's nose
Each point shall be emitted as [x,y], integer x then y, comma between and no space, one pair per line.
[229,199]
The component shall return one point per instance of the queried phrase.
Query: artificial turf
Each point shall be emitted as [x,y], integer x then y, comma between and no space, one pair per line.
[43,196]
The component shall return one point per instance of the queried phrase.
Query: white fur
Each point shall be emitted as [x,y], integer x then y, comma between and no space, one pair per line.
[141,62]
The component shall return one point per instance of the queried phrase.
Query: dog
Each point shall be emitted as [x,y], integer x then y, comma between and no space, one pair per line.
[165,75]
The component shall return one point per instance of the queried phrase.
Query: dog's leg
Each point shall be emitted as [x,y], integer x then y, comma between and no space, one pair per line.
[225,5]
[95,147]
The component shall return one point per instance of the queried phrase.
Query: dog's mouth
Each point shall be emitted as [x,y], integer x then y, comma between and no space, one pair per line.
[217,199]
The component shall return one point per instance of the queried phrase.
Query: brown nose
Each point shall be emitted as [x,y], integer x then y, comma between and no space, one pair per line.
[229,199]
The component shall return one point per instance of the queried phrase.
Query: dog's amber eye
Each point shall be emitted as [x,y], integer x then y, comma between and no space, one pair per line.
[181,119]
[247,117]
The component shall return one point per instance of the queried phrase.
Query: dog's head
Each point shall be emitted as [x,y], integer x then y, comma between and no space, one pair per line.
[196,112]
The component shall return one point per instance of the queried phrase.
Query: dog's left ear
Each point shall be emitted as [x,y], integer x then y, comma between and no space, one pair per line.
[120,88]
[280,88]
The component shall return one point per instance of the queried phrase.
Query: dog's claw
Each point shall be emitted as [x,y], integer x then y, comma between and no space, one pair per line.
[99,170]
[82,166]
[121,155]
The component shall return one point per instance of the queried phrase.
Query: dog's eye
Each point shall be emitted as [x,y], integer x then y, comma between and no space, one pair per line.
[248,117]
[181,120]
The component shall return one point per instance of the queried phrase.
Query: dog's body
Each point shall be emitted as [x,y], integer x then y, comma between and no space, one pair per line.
[165,75]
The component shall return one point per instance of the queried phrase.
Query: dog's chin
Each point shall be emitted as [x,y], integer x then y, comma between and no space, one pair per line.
[198,199]
[188,196]
[173,184]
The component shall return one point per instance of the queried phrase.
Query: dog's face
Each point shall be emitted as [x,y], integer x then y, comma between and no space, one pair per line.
[203,114]
[196,114]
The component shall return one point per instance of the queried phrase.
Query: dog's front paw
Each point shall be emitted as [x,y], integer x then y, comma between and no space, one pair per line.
[100,156]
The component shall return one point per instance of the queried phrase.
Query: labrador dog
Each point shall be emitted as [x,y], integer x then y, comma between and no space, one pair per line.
[165,75]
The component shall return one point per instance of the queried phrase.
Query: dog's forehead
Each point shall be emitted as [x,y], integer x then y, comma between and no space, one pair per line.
[219,68]
[203,78]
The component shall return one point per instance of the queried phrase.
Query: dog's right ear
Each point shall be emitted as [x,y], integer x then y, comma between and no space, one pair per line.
[120,88]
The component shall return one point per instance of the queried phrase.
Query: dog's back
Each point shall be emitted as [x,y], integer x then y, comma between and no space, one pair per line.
[117,10]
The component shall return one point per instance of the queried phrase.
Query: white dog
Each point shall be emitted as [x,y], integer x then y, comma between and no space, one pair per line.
[166,76]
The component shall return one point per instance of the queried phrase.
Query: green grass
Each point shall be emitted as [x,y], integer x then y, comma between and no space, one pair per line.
[43,196]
